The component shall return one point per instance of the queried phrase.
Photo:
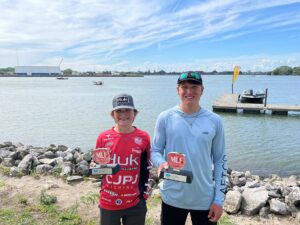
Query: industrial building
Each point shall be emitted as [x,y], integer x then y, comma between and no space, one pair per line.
[38,71]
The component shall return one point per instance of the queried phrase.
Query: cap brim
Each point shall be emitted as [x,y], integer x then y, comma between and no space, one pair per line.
[123,107]
[195,81]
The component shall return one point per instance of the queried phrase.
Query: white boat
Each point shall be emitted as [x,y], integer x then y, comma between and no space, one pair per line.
[250,96]
[98,83]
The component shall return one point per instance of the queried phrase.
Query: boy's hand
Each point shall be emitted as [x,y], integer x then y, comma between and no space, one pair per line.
[215,212]
[164,165]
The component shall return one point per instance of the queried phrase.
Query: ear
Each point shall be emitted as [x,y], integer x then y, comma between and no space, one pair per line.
[112,114]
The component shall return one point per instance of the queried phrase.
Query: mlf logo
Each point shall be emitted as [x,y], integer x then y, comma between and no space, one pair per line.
[176,160]
[101,155]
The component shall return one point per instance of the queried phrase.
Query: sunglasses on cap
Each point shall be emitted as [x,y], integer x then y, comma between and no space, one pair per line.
[190,76]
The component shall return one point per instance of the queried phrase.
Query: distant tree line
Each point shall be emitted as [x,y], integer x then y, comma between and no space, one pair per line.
[282,70]
[286,70]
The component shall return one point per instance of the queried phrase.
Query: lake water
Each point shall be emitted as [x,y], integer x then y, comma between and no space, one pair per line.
[44,111]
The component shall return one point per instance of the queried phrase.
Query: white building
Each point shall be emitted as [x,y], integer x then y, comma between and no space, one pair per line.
[38,70]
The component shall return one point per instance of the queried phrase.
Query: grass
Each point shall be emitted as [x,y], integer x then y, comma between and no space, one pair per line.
[91,198]
[225,220]
[4,170]
[2,183]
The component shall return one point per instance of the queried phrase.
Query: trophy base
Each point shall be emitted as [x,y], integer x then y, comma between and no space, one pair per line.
[177,175]
[108,169]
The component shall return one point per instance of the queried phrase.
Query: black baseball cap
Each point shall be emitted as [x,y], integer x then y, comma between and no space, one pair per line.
[123,101]
[194,77]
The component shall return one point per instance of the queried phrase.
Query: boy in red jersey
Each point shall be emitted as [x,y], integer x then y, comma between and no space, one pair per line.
[123,195]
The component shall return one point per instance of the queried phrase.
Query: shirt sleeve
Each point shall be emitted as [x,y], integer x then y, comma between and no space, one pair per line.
[159,142]
[144,173]
[220,164]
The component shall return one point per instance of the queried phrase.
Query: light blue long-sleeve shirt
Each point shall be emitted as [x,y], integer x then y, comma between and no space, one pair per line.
[200,137]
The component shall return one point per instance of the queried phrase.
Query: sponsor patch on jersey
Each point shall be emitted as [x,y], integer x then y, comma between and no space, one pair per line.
[118,202]
[112,193]
[136,150]
[109,144]
[138,140]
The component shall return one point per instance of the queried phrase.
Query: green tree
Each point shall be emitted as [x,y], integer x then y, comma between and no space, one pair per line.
[283,70]
[67,72]
[296,70]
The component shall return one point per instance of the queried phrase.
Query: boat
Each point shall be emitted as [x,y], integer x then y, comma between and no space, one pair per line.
[98,83]
[251,96]
[62,78]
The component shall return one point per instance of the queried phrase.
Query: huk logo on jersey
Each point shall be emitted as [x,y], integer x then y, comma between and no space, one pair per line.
[128,161]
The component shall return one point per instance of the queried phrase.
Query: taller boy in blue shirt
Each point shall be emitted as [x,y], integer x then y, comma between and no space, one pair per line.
[198,133]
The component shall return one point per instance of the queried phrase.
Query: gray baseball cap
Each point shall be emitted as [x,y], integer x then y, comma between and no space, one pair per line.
[123,101]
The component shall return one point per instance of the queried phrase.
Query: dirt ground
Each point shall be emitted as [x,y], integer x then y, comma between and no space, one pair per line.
[68,195]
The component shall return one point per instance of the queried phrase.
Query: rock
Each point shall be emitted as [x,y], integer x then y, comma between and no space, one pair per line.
[278,207]
[62,148]
[28,163]
[51,162]
[253,199]
[232,203]
[72,179]
[264,212]
[82,169]
[44,168]
[293,199]
[252,184]
[49,155]
[15,171]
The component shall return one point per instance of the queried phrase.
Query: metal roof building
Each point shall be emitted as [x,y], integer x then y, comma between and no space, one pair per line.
[38,71]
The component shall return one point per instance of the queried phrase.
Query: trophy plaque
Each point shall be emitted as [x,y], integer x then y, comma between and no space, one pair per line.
[176,162]
[102,157]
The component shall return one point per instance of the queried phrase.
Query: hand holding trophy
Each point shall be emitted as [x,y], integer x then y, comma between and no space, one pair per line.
[176,162]
[102,157]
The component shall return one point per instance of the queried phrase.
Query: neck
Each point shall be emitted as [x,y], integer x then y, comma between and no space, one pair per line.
[124,130]
[189,109]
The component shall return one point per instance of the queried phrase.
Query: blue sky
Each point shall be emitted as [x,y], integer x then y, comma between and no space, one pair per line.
[131,35]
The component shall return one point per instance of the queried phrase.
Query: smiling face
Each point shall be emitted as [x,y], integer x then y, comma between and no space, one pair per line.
[190,94]
[124,117]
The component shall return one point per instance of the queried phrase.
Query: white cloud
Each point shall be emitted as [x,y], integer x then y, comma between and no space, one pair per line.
[102,32]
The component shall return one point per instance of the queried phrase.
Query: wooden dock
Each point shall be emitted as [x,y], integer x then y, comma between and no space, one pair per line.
[230,103]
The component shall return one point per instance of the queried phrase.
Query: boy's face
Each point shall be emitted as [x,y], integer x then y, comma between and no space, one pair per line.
[189,92]
[124,117]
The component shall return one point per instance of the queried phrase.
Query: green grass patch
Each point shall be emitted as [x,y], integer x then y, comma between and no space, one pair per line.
[2,183]
[15,217]
[91,198]
[225,220]
[22,200]
[47,199]
[4,170]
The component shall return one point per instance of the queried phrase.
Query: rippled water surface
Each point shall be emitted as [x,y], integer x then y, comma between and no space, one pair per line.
[42,111]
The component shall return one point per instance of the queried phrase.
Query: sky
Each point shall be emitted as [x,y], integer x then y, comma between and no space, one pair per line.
[133,35]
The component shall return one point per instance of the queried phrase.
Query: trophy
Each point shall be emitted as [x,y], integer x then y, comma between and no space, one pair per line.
[102,157]
[176,162]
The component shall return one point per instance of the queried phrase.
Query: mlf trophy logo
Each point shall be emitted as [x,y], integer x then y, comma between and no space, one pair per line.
[102,157]
[176,162]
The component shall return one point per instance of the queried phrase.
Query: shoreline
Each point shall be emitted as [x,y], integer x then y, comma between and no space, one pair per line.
[247,195]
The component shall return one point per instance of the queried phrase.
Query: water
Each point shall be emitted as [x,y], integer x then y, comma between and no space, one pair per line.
[42,111]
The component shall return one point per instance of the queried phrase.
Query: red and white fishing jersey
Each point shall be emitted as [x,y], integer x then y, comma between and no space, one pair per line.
[132,152]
